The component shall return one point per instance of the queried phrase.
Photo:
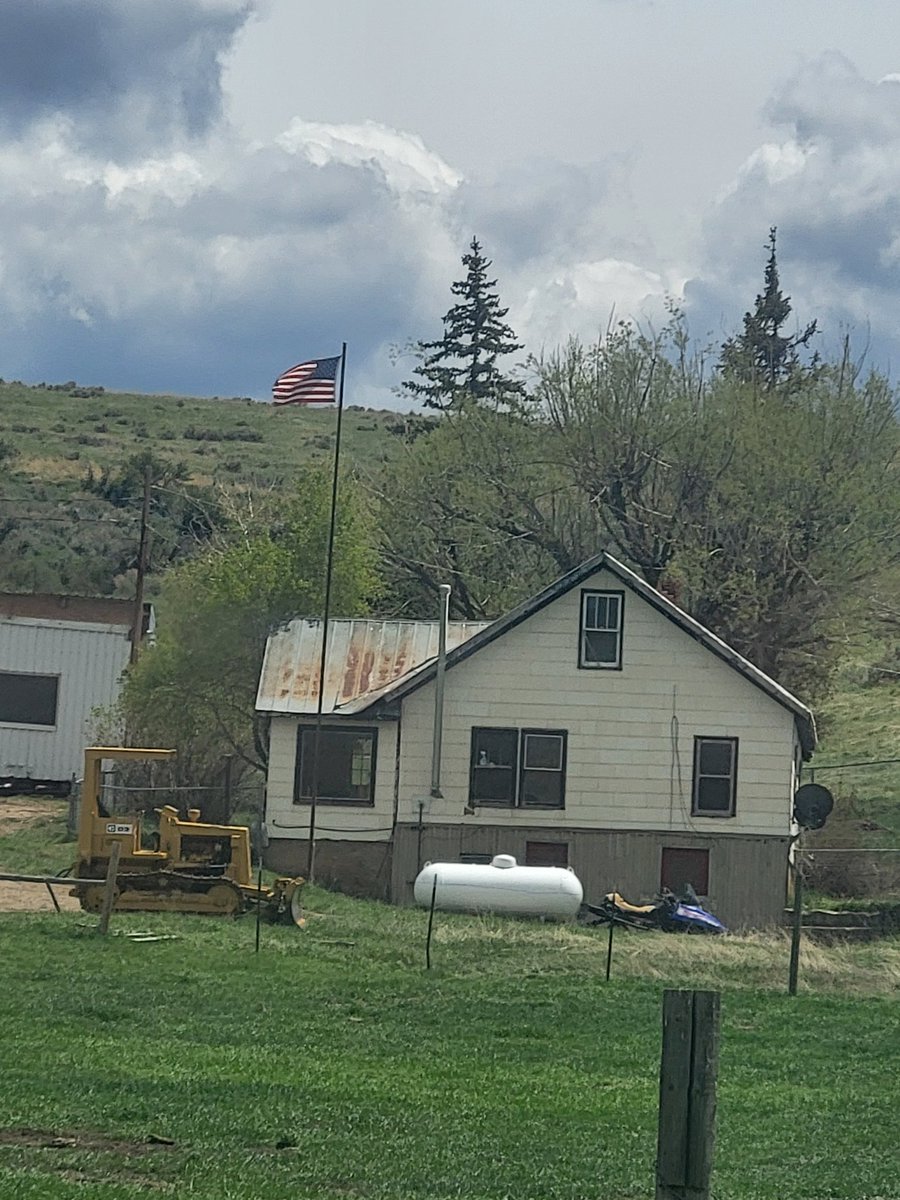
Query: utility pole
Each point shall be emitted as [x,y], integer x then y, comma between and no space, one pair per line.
[137,621]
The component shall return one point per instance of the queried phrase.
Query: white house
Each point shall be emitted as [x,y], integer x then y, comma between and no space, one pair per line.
[60,657]
[596,725]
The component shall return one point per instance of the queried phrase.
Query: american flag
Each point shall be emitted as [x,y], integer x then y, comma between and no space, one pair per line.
[310,382]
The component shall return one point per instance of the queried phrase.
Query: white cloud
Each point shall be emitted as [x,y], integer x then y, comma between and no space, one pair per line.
[403,157]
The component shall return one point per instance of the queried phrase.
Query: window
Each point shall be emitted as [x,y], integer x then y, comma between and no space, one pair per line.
[715,776]
[681,865]
[600,641]
[494,762]
[546,854]
[28,699]
[524,768]
[346,765]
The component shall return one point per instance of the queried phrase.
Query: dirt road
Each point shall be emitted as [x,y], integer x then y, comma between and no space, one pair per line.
[18,813]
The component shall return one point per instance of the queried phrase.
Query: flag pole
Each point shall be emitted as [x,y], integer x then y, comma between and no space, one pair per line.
[329,564]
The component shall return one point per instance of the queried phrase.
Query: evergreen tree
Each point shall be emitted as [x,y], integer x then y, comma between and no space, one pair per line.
[462,366]
[762,353]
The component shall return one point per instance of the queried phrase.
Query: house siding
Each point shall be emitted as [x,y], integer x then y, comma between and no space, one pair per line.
[351,822]
[747,875]
[628,786]
[630,731]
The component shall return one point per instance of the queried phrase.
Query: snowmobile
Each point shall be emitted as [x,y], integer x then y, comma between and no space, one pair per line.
[681,913]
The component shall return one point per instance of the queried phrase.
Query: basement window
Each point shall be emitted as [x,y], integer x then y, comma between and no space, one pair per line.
[546,854]
[715,777]
[681,865]
[518,768]
[346,766]
[28,699]
[600,636]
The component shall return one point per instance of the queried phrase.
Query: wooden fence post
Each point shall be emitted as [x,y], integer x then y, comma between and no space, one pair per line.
[687,1095]
[109,892]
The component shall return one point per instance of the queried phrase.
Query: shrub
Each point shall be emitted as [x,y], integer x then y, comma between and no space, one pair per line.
[195,434]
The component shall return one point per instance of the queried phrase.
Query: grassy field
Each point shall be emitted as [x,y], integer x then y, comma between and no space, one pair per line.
[862,725]
[332,1065]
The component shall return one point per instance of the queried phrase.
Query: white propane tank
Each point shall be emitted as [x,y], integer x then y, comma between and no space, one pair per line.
[501,887]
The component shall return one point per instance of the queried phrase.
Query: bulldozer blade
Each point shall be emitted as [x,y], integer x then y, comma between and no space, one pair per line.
[296,909]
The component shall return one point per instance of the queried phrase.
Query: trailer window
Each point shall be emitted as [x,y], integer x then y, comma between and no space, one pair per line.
[28,699]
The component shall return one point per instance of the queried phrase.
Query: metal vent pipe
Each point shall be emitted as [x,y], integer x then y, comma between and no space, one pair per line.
[439,691]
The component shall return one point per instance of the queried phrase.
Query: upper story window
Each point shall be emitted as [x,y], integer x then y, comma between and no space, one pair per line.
[715,777]
[346,765]
[600,637]
[522,768]
[28,699]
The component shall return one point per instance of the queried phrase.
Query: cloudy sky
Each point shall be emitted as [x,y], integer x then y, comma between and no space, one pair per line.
[196,193]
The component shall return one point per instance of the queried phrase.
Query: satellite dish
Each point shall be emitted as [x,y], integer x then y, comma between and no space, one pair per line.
[812,804]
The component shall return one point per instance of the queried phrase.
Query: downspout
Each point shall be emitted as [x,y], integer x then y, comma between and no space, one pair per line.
[439,692]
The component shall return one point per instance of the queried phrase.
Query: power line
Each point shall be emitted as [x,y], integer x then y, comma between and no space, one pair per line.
[73,520]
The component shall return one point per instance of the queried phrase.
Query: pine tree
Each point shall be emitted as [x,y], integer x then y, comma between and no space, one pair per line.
[461,367]
[762,353]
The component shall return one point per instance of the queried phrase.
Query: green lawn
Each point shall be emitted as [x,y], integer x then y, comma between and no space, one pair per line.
[38,848]
[332,1065]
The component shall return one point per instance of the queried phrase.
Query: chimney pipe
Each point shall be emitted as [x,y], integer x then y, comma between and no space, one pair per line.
[439,691]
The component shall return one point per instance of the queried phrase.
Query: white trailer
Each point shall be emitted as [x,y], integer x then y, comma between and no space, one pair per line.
[60,658]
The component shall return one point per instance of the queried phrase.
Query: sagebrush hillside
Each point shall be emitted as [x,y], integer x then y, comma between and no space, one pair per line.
[65,526]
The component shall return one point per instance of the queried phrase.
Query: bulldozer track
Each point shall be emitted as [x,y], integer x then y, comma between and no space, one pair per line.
[137,890]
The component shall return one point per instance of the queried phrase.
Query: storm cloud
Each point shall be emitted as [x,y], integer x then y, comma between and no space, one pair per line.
[830,182]
[122,77]
[146,243]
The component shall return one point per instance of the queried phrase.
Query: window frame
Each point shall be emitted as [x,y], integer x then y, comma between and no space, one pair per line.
[21,723]
[583,664]
[519,768]
[370,731]
[473,765]
[696,809]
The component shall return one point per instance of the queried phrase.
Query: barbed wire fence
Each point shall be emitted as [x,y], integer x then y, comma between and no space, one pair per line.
[857,854]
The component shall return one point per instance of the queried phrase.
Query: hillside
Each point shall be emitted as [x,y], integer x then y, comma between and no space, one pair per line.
[58,534]
[61,532]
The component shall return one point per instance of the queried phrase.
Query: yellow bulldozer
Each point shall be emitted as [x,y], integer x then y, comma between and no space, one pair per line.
[192,867]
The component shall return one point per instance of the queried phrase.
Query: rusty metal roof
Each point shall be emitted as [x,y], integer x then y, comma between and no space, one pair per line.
[364,658]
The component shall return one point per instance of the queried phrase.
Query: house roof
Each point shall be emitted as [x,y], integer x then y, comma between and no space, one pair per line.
[390,685]
[364,660]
